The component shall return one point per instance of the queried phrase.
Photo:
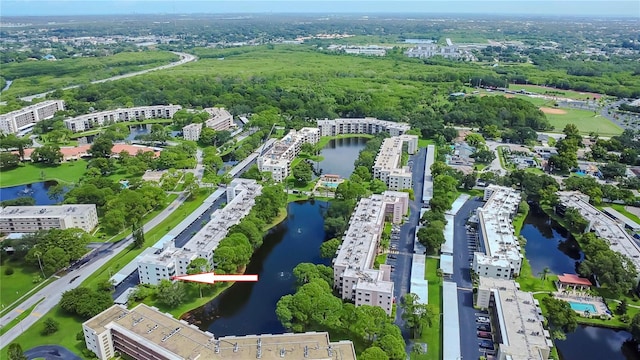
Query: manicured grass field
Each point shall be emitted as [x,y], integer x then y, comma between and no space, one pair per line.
[68,172]
[543,90]
[16,284]
[586,122]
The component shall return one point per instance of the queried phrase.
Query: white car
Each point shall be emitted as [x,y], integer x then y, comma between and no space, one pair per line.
[482,319]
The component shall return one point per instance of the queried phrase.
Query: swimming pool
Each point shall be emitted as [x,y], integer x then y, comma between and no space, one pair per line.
[330,184]
[582,307]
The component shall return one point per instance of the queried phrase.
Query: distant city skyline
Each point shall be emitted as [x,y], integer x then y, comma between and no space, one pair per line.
[593,8]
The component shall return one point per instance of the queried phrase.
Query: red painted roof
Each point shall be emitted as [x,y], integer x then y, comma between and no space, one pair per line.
[573,279]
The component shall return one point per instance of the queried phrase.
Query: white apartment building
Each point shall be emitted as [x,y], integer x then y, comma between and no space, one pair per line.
[192,131]
[502,257]
[278,159]
[144,333]
[354,276]
[220,120]
[388,166]
[366,125]
[19,120]
[97,119]
[517,319]
[19,219]
[172,261]
[612,231]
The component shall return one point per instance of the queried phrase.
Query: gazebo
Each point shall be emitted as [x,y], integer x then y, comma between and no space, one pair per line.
[572,281]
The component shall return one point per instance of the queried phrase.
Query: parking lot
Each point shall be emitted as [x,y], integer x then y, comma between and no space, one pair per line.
[394,242]
[484,333]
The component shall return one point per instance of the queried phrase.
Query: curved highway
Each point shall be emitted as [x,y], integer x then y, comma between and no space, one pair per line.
[184,58]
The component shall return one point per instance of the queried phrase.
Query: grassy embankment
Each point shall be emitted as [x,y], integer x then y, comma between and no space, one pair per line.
[32,77]
[433,336]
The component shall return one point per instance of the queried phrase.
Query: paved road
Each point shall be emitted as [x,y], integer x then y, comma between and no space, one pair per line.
[462,276]
[51,352]
[401,276]
[184,58]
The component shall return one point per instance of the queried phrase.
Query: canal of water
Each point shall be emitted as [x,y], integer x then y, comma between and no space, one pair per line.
[340,154]
[550,245]
[249,308]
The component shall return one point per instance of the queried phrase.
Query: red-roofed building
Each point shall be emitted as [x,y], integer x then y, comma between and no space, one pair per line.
[573,281]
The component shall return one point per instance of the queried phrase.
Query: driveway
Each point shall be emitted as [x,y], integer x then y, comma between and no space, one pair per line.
[401,276]
[51,352]
[462,277]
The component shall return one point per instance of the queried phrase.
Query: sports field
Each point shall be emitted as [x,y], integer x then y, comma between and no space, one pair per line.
[543,90]
[586,121]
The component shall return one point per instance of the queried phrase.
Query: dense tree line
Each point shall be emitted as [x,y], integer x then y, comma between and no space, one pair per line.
[52,249]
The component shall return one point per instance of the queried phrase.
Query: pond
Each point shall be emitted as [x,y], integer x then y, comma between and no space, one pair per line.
[549,244]
[38,191]
[590,342]
[249,308]
[340,154]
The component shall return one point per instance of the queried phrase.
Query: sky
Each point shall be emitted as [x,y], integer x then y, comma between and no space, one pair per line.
[596,8]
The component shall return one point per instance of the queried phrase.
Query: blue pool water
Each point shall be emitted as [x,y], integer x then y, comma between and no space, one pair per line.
[582,307]
[330,184]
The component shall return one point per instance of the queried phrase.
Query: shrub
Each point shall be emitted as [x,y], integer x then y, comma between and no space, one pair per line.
[8,271]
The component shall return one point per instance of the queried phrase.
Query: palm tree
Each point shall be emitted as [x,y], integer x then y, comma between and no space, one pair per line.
[543,274]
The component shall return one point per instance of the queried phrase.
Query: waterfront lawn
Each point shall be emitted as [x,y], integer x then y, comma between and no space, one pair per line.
[27,173]
[433,336]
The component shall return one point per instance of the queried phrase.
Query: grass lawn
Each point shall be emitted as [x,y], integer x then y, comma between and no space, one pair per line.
[622,209]
[66,336]
[586,122]
[17,284]
[543,90]
[27,173]
[433,336]
[423,143]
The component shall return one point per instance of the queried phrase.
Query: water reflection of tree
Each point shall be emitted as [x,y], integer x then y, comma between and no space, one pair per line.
[570,248]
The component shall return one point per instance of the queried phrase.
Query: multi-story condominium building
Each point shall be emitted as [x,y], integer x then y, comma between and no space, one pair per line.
[220,120]
[278,159]
[605,227]
[192,131]
[23,119]
[502,257]
[388,166]
[97,119]
[366,125]
[518,322]
[144,333]
[171,261]
[354,276]
[18,219]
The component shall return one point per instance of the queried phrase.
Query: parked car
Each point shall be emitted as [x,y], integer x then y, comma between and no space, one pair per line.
[486,344]
[484,327]
[484,334]
[482,319]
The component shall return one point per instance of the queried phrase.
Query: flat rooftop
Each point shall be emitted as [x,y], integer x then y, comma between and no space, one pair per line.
[419,285]
[604,226]
[359,243]
[366,120]
[622,218]
[148,325]
[520,319]
[46,211]
[500,242]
